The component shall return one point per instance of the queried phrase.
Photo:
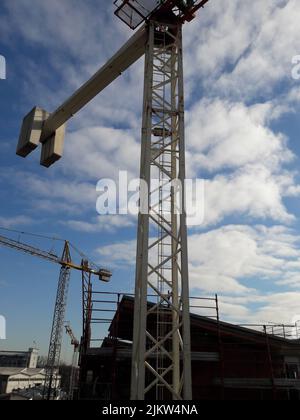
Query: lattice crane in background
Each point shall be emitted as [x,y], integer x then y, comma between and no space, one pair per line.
[161,360]
[74,368]
[66,263]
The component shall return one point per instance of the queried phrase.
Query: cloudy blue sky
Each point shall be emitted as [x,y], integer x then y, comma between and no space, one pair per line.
[242,138]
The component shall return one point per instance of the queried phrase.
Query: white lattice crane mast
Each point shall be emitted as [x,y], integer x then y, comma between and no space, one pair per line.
[161,360]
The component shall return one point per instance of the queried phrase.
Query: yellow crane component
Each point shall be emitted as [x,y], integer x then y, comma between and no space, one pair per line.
[65,260]
[66,263]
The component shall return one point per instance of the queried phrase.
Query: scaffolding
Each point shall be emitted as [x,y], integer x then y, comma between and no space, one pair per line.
[103,332]
[264,363]
[249,361]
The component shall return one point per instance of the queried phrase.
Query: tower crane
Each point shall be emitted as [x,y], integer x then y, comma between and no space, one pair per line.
[164,353]
[66,263]
[75,343]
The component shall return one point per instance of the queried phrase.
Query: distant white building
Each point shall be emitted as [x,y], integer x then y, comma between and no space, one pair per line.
[19,359]
[18,370]
[13,379]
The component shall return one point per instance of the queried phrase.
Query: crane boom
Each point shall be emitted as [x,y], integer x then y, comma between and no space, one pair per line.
[28,249]
[71,334]
[103,274]
[121,61]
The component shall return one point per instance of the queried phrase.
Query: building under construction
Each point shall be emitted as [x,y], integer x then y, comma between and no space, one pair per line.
[229,362]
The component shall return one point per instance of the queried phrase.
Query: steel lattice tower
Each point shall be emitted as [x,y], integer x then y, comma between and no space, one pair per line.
[162,260]
[58,324]
[57,331]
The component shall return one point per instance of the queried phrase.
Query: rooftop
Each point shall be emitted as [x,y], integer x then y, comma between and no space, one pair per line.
[124,316]
[8,371]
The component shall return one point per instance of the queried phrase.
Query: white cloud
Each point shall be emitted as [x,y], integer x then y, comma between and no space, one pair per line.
[240,263]
[105,223]
[252,191]
[228,259]
[15,221]
[48,191]
[223,134]
[242,49]
[100,152]
[119,254]
[222,259]
[234,312]
[268,61]
[293,97]
[280,308]
[245,160]
[52,25]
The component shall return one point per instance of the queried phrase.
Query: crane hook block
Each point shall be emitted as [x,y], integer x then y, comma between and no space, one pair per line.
[31,131]
[52,147]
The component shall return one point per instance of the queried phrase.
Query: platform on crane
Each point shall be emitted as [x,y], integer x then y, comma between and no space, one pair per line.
[135,12]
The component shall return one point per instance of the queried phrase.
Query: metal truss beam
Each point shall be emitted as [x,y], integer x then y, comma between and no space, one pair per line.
[121,61]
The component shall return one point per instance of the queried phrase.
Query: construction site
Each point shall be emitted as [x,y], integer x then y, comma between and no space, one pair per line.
[161,342]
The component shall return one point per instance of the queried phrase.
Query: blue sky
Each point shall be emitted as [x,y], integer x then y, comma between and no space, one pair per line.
[242,138]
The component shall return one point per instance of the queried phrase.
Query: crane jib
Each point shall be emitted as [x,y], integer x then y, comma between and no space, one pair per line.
[103,274]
